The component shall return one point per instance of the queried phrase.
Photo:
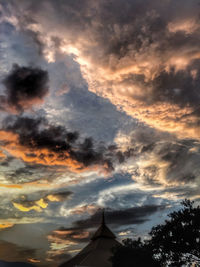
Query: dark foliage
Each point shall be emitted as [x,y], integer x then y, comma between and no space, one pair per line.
[178,240]
[174,243]
[133,253]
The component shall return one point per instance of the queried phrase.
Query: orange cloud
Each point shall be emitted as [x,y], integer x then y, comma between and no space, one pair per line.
[33,205]
[39,205]
[6,225]
[127,51]
[85,208]
[60,235]
[53,198]
[33,260]
[62,232]
[167,117]
[164,116]
[81,235]
[2,155]
[57,197]
[8,136]
[41,156]
[26,209]
[112,71]
[59,243]
[40,183]
[186,25]
[11,186]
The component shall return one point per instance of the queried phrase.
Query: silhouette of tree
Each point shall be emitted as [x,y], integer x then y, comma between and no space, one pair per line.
[174,243]
[178,240]
[133,253]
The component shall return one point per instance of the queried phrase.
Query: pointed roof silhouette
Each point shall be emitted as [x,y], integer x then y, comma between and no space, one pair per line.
[98,252]
[103,230]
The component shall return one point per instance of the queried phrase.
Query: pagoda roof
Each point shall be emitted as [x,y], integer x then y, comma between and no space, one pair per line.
[103,230]
[98,252]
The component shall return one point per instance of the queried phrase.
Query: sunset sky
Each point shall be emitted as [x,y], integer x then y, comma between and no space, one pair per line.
[99,108]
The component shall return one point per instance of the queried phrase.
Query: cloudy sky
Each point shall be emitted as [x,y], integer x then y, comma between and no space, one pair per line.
[99,108]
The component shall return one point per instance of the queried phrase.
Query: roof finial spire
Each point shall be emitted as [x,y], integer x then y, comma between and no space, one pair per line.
[103,231]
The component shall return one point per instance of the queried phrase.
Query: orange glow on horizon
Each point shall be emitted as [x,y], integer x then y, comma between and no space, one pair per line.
[11,186]
[33,260]
[6,225]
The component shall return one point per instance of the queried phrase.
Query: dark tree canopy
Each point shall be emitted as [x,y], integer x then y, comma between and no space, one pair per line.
[133,253]
[174,243]
[177,241]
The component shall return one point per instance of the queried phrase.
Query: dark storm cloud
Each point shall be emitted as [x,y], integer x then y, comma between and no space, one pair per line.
[30,173]
[179,87]
[38,134]
[151,51]
[20,175]
[79,16]
[181,157]
[59,195]
[135,215]
[24,87]
[126,25]
[6,162]
[81,230]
